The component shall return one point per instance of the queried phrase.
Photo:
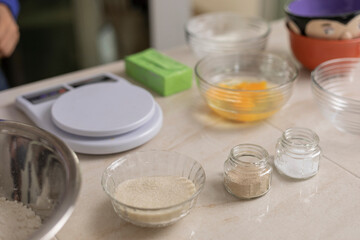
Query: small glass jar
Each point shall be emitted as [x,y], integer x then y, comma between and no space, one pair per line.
[247,173]
[298,153]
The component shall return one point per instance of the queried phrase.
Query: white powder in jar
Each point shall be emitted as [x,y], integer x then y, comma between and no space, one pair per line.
[17,222]
[153,193]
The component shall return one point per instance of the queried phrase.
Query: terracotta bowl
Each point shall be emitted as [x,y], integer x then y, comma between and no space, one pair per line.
[311,52]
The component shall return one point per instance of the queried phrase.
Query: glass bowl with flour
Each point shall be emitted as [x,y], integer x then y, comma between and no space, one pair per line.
[226,33]
[153,188]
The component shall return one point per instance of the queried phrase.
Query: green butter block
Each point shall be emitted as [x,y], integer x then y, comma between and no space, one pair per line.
[158,72]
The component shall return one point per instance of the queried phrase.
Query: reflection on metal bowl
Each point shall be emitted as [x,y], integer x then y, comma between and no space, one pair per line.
[40,171]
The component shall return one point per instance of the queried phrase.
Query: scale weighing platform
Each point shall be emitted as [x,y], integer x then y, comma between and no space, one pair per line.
[101,114]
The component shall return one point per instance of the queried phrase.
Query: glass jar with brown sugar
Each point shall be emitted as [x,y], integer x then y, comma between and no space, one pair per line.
[247,173]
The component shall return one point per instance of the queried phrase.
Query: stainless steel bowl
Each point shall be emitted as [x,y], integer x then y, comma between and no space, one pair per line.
[40,171]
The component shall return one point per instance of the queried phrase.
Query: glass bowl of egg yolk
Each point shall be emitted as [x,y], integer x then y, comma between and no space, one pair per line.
[245,87]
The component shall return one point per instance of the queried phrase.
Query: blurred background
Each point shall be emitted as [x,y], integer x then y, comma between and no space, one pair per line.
[61,36]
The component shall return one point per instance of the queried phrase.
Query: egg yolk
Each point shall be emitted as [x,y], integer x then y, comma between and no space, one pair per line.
[248,104]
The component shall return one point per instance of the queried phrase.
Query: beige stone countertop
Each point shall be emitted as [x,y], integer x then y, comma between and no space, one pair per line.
[326,206]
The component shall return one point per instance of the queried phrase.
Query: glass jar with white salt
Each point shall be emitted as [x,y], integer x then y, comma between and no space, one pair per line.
[247,173]
[298,153]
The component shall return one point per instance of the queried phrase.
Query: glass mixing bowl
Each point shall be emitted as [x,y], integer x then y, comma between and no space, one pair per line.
[218,33]
[245,87]
[149,164]
[336,87]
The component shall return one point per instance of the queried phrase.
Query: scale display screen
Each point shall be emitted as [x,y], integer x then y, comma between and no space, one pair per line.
[92,80]
[56,92]
[46,95]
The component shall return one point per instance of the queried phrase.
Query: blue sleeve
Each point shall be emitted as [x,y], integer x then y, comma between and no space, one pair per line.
[13,5]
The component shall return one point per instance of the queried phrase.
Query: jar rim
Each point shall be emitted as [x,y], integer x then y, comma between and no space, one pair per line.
[242,153]
[300,137]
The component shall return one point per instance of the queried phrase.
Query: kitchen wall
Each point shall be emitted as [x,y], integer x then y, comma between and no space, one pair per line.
[61,36]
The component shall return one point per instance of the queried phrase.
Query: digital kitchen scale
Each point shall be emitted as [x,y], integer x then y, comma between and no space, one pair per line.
[100,114]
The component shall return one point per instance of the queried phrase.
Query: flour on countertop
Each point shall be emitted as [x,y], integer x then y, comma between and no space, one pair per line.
[17,222]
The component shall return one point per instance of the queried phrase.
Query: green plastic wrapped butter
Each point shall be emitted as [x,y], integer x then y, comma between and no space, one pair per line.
[158,72]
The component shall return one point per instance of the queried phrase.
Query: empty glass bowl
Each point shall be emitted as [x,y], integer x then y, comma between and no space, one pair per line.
[245,87]
[217,33]
[153,164]
[336,87]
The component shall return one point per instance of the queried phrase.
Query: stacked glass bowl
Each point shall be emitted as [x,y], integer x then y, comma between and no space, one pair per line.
[336,87]
[221,33]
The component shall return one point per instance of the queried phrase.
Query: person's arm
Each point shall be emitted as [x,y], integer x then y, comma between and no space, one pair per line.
[13,5]
[9,30]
